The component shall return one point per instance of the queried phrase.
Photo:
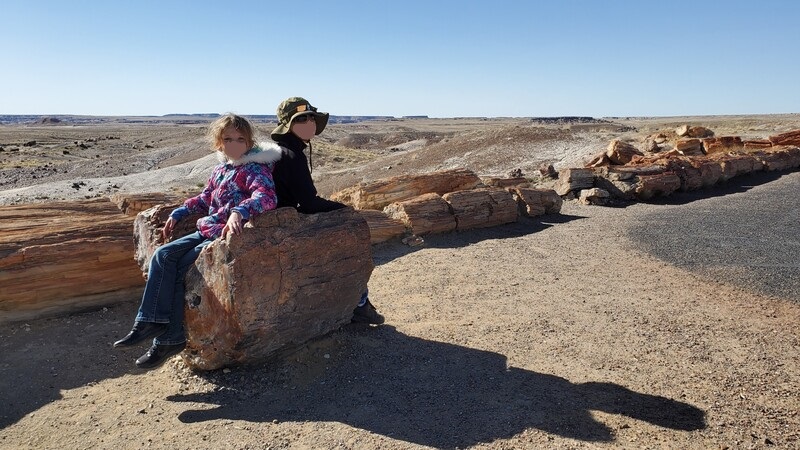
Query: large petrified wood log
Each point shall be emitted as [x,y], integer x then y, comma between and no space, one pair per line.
[788,138]
[147,228]
[480,208]
[535,202]
[65,257]
[286,279]
[133,204]
[570,180]
[723,144]
[620,153]
[378,194]
[650,186]
[428,213]
[382,227]
[779,158]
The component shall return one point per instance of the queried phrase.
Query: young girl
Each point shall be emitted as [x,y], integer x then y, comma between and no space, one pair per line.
[238,188]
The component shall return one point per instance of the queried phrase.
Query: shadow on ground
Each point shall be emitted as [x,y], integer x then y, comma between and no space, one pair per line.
[435,394]
[388,251]
[41,358]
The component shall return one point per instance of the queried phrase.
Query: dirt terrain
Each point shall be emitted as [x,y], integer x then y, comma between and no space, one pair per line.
[671,324]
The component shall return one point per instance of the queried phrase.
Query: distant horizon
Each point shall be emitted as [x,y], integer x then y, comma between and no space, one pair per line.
[413,116]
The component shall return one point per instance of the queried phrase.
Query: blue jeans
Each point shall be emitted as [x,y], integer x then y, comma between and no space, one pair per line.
[162,301]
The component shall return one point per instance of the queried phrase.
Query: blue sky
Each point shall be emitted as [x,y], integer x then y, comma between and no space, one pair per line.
[439,58]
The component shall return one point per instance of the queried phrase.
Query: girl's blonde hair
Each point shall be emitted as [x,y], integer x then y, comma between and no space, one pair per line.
[239,123]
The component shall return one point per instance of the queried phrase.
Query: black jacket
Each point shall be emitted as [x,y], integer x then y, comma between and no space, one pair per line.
[293,184]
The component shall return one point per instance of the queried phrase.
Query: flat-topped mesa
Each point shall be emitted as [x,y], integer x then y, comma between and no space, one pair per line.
[286,279]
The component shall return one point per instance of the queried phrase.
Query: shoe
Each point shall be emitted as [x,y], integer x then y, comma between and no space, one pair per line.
[140,332]
[158,354]
[367,313]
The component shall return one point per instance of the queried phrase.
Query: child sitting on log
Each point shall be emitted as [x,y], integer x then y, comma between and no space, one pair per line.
[239,187]
[298,123]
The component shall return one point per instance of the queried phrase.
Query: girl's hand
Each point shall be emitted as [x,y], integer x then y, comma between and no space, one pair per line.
[168,227]
[234,224]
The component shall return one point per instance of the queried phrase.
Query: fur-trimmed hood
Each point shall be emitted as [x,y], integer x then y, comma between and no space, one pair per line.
[264,153]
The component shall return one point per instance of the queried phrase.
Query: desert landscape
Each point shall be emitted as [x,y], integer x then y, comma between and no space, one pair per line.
[671,323]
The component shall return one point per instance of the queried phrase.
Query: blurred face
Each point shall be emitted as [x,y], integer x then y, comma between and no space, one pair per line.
[234,144]
[304,127]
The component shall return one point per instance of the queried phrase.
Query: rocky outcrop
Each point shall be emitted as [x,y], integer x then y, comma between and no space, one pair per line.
[378,194]
[65,257]
[286,279]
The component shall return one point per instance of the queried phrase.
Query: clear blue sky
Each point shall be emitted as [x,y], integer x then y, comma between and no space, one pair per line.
[440,58]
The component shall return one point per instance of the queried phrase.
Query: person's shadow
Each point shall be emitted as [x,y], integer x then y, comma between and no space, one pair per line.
[434,394]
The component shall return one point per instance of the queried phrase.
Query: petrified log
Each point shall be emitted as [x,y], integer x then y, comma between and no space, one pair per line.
[147,229]
[286,279]
[788,138]
[594,196]
[505,182]
[734,165]
[64,257]
[649,186]
[481,208]
[620,153]
[574,179]
[133,204]
[779,158]
[723,144]
[699,132]
[710,172]
[691,177]
[378,194]
[599,160]
[689,147]
[756,144]
[382,227]
[428,213]
[535,202]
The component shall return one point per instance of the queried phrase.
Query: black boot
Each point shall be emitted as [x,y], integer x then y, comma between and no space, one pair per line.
[158,354]
[140,332]
[367,313]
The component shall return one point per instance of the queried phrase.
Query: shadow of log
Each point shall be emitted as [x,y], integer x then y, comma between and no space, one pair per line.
[431,393]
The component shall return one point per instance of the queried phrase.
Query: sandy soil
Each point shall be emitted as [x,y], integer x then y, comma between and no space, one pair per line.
[594,328]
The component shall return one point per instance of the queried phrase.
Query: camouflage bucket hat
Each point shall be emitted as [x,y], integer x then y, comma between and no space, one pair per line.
[293,107]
